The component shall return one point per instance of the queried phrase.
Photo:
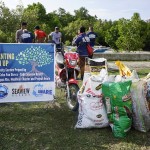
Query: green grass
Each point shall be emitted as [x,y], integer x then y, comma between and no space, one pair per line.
[42,126]
[143,72]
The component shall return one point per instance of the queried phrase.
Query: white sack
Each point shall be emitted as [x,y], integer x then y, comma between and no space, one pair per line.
[92,111]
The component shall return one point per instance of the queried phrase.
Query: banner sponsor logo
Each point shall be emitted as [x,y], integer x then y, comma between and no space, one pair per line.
[20,91]
[39,90]
[3,91]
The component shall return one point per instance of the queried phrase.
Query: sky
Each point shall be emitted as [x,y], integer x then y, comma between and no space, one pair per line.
[103,9]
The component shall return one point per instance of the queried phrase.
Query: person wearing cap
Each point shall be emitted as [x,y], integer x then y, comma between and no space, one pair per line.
[92,35]
[27,37]
[81,42]
[40,35]
[20,32]
[56,36]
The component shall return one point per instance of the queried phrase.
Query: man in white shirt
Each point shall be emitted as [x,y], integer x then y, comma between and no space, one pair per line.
[56,36]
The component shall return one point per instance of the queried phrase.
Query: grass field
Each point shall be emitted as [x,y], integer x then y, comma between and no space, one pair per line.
[44,126]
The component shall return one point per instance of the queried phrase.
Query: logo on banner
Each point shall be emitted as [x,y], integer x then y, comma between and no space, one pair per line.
[39,90]
[21,91]
[3,91]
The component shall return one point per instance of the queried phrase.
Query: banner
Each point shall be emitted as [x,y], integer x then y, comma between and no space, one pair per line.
[27,72]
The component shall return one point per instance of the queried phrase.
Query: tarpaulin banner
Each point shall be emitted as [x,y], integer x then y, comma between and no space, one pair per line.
[27,72]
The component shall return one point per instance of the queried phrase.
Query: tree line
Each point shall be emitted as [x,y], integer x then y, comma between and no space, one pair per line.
[123,34]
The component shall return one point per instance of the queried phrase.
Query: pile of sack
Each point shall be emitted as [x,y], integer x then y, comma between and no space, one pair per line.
[120,101]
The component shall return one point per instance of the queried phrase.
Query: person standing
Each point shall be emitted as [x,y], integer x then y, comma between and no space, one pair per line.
[27,37]
[77,33]
[81,42]
[92,35]
[40,35]
[56,37]
[20,32]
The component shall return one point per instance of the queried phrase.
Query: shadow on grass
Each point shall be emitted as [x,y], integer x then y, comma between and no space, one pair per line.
[33,126]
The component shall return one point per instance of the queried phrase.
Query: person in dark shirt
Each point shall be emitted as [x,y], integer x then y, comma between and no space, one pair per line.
[81,42]
[92,35]
[27,37]
[20,32]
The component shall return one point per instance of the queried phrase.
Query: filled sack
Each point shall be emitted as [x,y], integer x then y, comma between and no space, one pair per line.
[96,65]
[92,111]
[119,106]
[140,92]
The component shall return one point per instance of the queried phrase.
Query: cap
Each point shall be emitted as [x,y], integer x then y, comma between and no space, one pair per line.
[37,27]
[56,28]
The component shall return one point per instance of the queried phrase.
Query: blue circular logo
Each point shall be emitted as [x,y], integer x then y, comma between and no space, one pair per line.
[3,91]
[36,90]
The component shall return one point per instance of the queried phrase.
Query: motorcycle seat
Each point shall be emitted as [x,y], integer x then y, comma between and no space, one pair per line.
[59,58]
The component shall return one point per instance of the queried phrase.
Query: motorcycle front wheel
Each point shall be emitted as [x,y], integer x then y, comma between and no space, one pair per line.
[72,100]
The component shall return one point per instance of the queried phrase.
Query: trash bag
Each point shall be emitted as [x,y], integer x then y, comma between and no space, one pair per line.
[118,103]
[96,65]
[123,70]
[140,92]
[92,111]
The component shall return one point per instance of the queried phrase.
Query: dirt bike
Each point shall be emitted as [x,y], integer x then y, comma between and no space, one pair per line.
[66,75]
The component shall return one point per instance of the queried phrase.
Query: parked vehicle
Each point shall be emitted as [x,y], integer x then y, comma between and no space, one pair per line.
[101,49]
[66,75]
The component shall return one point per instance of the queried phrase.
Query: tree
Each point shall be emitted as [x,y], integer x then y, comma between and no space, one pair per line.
[73,27]
[19,11]
[36,56]
[34,14]
[52,20]
[112,36]
[64,17]
[3,37]
[130,34]
[100,27]
[146,26]
[83,14]
[8,23]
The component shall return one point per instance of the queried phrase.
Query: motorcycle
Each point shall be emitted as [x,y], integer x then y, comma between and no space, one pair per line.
[66,75]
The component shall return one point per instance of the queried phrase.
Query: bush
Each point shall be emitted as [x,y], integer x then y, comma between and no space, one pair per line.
[3,37]
[67,43]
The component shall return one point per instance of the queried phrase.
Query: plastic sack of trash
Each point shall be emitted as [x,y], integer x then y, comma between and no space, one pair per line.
[123,70]
[119,106]
[140,92]
[119,78]
[92,111]
[96,65]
